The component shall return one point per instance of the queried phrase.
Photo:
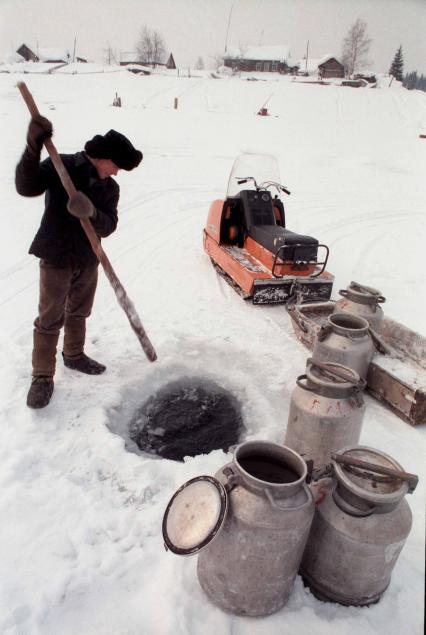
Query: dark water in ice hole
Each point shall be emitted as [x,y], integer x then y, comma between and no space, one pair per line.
[186,418]
[267,469]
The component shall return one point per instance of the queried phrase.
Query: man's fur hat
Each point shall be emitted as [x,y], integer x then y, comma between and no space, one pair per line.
[116,147]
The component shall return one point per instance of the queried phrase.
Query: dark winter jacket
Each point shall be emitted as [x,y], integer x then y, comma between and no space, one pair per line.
[61,239]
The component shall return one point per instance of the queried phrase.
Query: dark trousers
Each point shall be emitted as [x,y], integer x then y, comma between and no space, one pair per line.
[66,299]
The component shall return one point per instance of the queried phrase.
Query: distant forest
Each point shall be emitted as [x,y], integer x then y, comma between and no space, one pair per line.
[413,81]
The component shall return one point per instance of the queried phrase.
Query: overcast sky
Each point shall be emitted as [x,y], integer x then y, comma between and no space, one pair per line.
[193,28]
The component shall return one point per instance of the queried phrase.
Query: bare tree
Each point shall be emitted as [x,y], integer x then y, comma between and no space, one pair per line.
[159,48]
[217,60]
[144,45]
[355,47]
[199,64]
[110,54]
[150,47]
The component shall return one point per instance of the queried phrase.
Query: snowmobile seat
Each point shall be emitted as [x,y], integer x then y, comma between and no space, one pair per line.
[272,237]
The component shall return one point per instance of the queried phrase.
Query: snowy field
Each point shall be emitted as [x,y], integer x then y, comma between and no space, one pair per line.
[81,549]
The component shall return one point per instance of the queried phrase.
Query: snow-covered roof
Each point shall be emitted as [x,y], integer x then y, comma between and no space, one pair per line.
[315,62]
[55,54]
[129,56]
[366,71]
[137,68]
[326,58]
[279,53]
[78,68]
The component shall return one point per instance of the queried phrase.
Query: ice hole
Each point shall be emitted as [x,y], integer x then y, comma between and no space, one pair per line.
[187,417]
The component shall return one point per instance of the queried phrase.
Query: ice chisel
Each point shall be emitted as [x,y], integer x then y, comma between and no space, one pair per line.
[122,297]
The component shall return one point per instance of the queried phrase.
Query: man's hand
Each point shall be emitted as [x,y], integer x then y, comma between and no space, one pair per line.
[39,129]
[81,206]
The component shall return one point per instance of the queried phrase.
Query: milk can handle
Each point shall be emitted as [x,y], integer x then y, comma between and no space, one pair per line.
[324,332]
[295,508]
[304,386]
[339,374]
[232,479]
[379,299]
[348,461]
[362,289]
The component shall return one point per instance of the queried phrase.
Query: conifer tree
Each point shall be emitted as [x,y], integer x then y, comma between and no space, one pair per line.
[412,81]
[397,66]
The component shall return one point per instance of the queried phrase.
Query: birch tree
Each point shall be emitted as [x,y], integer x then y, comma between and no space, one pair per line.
[150,47]
[355,47]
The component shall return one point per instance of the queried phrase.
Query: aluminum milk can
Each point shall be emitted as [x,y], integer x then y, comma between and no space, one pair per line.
[326,411]
[250,525]
[359,529]
[358,299]
[345,339]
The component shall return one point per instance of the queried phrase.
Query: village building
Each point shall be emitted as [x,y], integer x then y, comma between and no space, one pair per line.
[129,57]
[324,67]
[171,62]
[132,58]
[273,59]
[27,54]
[331,67]
[48,55]
[367,75]
[54,55]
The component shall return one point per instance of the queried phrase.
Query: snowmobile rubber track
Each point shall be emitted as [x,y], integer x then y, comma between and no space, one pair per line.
[230,281]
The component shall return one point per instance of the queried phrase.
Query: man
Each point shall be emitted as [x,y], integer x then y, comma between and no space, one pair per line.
[68,265]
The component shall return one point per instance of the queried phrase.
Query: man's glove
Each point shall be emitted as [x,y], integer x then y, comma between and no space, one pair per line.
[81,206]
[39,129]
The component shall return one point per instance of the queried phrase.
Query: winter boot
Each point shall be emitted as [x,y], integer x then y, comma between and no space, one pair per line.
[84,364]
[40,392]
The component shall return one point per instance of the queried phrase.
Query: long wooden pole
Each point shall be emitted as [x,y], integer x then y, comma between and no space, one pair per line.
[122,297]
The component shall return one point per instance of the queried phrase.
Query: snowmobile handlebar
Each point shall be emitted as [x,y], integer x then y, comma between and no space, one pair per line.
[265,185]
[248,178]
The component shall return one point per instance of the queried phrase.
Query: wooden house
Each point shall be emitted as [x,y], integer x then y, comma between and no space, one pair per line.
[54,55]
[129,57]
[272,59]
[171,62]
[27,53]
[133,58]
[48,55]
[331,67]
[323,67]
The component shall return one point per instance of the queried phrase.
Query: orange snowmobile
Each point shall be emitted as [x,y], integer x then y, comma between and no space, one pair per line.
[249,245]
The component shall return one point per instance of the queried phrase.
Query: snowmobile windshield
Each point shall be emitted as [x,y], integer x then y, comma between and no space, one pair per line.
[256,168]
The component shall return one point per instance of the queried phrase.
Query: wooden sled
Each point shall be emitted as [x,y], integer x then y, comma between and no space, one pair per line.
[396,376]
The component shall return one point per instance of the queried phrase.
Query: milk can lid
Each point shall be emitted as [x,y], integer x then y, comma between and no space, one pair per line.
[195,515]
[372,474]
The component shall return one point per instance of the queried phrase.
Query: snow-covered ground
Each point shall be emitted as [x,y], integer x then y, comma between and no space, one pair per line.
[81,549]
